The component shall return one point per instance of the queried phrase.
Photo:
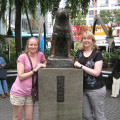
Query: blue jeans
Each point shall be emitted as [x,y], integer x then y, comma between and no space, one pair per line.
[3,89]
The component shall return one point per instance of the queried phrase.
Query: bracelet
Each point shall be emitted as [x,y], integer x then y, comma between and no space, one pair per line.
[33,71]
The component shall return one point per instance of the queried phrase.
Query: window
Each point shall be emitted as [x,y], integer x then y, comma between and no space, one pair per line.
[92,3]
[92,13]
[103,3]
[114,2]
[118,2]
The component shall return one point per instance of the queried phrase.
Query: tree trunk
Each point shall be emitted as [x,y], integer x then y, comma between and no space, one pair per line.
[28,19]
[18,40]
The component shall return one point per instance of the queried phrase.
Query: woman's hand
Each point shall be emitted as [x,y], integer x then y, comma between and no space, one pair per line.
[43,65]
[77,64]
[40,65]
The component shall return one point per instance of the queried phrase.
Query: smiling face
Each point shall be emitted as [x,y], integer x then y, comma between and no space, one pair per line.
[33,45]
[87,42]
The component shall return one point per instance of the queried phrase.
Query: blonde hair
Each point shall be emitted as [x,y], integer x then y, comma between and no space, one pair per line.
[90,35]
[27,49]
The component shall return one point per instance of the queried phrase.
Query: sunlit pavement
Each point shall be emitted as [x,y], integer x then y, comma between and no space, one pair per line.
[112,108]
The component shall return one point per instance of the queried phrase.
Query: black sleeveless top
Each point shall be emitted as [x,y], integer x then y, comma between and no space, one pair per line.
[90,82]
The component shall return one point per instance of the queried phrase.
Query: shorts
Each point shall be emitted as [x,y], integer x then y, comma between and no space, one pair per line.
[21,100]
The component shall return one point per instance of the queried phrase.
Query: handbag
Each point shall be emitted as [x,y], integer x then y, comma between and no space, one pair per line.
[34,91]
[3,74]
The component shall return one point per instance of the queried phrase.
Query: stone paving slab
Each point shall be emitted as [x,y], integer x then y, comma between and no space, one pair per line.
[112,108]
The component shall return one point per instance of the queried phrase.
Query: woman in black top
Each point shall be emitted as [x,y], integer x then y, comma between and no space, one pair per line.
[90,59]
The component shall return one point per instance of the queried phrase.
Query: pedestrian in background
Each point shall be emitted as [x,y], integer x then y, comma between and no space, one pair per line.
[3,83]
[90,60]
[116,77]
[20,94]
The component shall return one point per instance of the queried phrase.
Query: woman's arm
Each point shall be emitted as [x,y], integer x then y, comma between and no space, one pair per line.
[21,74]
[94,72]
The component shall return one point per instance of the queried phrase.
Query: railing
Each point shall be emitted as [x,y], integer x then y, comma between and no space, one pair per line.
[12,73]
[11,76]
[106,74]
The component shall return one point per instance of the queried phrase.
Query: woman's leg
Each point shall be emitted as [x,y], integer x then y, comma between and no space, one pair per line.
[1,89]
[5,86]
[28,112]
[113,87]
[17,112]
[28,108]
[117,87]
[97,97]
[87,113]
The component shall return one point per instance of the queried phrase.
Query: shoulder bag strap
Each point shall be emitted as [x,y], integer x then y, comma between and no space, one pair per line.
[33,85]
[91,56]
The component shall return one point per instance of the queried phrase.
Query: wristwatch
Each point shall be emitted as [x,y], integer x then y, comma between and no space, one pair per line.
[81,66]
[33,71]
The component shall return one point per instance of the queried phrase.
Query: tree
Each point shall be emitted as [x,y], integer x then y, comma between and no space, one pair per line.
[45,5]
[110,17]
[3,4]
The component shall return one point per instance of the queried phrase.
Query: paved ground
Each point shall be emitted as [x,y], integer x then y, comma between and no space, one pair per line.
[112,108]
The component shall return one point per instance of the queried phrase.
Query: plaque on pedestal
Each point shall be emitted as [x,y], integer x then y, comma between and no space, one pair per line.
[60,94]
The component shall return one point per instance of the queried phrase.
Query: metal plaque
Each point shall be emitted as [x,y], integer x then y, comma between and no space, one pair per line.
[60,88]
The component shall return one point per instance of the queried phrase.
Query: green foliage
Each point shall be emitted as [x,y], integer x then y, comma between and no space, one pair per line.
[76,6]
[3,4]
[73,52]
[9,32]
[47,53]
[5,53]
[110,17]
[80,19]
[12,45]
[12,63]
[113,55]
[76,45]
[110,32]
[2,39]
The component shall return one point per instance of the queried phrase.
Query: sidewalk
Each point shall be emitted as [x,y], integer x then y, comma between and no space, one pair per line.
[112,108]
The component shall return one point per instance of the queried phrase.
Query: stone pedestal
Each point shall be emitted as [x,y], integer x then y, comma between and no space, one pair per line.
[60,94]
[60,62]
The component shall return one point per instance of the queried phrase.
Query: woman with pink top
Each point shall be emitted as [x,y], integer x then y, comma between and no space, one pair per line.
[20,94]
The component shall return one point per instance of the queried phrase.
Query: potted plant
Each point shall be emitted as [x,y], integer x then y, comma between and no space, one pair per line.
[108,61]
[110,40]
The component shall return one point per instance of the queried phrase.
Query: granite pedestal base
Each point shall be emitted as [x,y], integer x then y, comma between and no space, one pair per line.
[60,94]
[60,62]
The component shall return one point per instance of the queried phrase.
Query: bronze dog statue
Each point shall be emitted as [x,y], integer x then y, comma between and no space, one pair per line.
[62,35]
